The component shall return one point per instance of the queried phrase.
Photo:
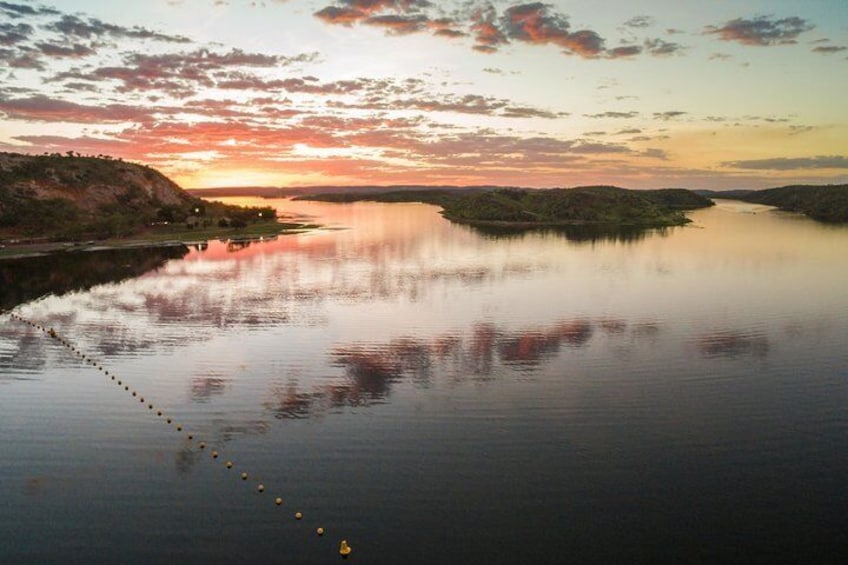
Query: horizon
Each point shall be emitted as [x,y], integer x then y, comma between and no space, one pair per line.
[221,94]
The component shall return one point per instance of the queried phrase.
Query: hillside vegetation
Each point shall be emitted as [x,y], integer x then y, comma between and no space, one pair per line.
[827,203]
[72,197]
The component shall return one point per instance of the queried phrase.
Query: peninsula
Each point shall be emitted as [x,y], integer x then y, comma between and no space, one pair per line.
[48,201]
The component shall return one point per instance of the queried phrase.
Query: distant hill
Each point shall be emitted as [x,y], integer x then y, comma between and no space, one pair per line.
[827,203]
[73,197]
[736,194]
[605,205]
[326,192]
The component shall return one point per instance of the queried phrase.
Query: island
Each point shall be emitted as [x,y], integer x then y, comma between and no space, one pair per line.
[529,208]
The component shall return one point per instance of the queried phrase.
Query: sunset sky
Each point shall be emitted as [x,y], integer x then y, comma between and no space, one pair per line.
[641,94]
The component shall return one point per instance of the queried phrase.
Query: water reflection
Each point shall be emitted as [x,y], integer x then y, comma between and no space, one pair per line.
[371,370]
[21,354]
[730,343]
[26,279]
[204,388]
[575,233]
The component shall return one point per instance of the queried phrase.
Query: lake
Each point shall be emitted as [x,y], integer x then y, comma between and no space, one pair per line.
[432,394]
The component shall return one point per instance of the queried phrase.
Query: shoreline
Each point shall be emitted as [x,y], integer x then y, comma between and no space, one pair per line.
[173,238]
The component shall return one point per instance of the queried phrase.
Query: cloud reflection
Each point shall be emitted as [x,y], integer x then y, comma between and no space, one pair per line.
[727,343]
[370,371]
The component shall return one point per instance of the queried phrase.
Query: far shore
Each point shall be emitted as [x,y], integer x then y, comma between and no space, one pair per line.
[18,248]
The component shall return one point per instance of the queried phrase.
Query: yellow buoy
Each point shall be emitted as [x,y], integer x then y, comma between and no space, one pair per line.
[229,464]
[214,455]
[320,531]
[261,488]
[344,549]
[298,515]
[278,501]
[244,476]
[201,445]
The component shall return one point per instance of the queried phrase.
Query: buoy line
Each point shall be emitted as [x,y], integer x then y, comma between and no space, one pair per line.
[344,549]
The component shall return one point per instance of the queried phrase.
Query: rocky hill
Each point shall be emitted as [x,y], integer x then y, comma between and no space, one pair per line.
[70,196]
[89,184]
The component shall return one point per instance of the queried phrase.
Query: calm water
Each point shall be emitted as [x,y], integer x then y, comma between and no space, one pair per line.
[434,395]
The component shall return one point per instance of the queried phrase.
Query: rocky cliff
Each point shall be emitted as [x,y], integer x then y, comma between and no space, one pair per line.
[48,195]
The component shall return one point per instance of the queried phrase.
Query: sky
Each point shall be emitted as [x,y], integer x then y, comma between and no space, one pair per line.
[640,94]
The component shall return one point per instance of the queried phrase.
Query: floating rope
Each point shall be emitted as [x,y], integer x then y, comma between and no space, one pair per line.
[344,548]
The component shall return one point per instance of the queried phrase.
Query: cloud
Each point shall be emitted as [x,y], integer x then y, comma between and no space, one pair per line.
[640,22]
[11,34]
[531,23]
[390,98]
[181,74]
[340,15]
[23,58]
[75,51]
[536,23]
[668,115]
[790,164]
[44,108]
[394,15]
[661,48]
[611,114]
[762,31]
[527,112]
[74,26]
[24,11]
[398,24]
[624,51]
[829,49]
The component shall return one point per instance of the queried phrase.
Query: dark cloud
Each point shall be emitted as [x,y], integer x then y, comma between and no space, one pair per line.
[762,31]
[668,115]
[399,16]
[11,34]
[399,24]
[444,27]
[611,114]
[487,35]
[75,51]
[661,48]
[536,23]
[790,164]
[44,108]
[22,58]
[74,26]
[371,6]
[340,15]
[387,99]
[639,22]
[624,51]
[829,49]
[181,74]
[527,112]
[654,153]
[24,10]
